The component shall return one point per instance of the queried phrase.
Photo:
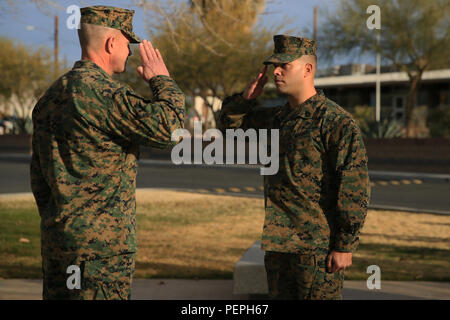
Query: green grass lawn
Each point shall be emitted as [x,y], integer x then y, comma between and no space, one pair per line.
[19,259]
[184,235]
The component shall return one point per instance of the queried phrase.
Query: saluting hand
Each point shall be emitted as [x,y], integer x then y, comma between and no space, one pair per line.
[255,88]
[152,62]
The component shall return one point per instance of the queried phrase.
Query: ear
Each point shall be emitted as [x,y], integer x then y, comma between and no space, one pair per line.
[308,69]
[110,44]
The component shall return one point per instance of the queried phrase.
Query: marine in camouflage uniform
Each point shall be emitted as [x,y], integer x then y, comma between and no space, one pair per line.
[317,201]
[87,132]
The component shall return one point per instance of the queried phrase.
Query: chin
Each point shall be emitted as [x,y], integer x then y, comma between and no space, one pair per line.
[122,70]
[280,90]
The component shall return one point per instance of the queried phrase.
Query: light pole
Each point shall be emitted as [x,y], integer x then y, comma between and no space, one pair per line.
[56,49]
[377,93]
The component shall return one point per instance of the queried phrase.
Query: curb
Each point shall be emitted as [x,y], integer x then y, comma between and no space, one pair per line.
[250,195]
[430,177]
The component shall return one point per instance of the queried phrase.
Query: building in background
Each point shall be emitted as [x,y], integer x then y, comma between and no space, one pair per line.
[354,85]
[16,108]
[200,111]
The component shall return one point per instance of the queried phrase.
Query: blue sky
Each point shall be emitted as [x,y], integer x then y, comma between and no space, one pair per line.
[34,27]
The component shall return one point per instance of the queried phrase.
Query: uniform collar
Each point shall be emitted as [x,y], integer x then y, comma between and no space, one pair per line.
[88,64]
[307,108]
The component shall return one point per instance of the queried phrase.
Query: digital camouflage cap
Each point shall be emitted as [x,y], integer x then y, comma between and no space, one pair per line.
[288,48]
[110,17]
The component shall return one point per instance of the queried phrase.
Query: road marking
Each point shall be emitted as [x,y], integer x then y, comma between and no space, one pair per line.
[417,181]
[406,181]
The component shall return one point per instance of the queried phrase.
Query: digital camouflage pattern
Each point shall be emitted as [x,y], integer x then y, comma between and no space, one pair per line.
[101,279]
[301,277]
[87,132]
[288,48]
[110,17]
[317,201]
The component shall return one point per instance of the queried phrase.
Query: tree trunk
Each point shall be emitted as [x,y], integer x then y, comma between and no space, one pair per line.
[216,118]
[211,107]
[414,83]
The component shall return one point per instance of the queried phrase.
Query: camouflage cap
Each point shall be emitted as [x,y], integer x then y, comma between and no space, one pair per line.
[288,48]
[110,17]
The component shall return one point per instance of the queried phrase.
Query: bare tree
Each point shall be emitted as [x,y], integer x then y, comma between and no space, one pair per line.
[45,6]
[212,48]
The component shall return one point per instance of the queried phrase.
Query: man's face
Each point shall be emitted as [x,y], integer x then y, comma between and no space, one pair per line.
[121,53]
[289,77]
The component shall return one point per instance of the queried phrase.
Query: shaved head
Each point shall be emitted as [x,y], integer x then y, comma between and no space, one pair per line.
[92,36]
[311,60]
[109,48]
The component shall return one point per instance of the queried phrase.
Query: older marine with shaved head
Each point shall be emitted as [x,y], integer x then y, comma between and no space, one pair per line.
[87,132]
[94,38]
[317,202]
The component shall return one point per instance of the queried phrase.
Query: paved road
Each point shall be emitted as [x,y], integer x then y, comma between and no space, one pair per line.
[388,192]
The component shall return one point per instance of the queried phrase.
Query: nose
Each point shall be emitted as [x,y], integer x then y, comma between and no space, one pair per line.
[276,71]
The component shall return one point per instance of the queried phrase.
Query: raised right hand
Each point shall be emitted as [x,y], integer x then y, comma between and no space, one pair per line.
[255,88]
[152,62]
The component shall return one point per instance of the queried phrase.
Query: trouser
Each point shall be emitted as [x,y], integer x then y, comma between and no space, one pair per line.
[101,279]
[301,277]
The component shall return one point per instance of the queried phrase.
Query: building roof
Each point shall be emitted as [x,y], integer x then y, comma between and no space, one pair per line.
[385,78]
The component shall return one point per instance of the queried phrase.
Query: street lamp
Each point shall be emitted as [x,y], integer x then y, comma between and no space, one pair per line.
[377,94]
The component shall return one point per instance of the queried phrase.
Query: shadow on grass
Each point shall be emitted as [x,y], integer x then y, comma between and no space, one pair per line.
[164,270]
[17,271]
[395,262]
[437,223]
[401,263]
[407,238]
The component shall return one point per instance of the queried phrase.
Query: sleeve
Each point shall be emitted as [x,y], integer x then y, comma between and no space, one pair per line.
[39,187]
[349,156]
[238,112]
[148,122]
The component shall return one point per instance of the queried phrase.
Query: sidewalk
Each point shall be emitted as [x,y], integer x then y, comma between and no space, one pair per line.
[175,289]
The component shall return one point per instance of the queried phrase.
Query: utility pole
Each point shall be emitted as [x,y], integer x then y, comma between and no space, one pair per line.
[377,92]
[315,23]
[56,52]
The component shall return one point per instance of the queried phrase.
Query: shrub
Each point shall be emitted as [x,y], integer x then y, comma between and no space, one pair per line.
[438,122]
